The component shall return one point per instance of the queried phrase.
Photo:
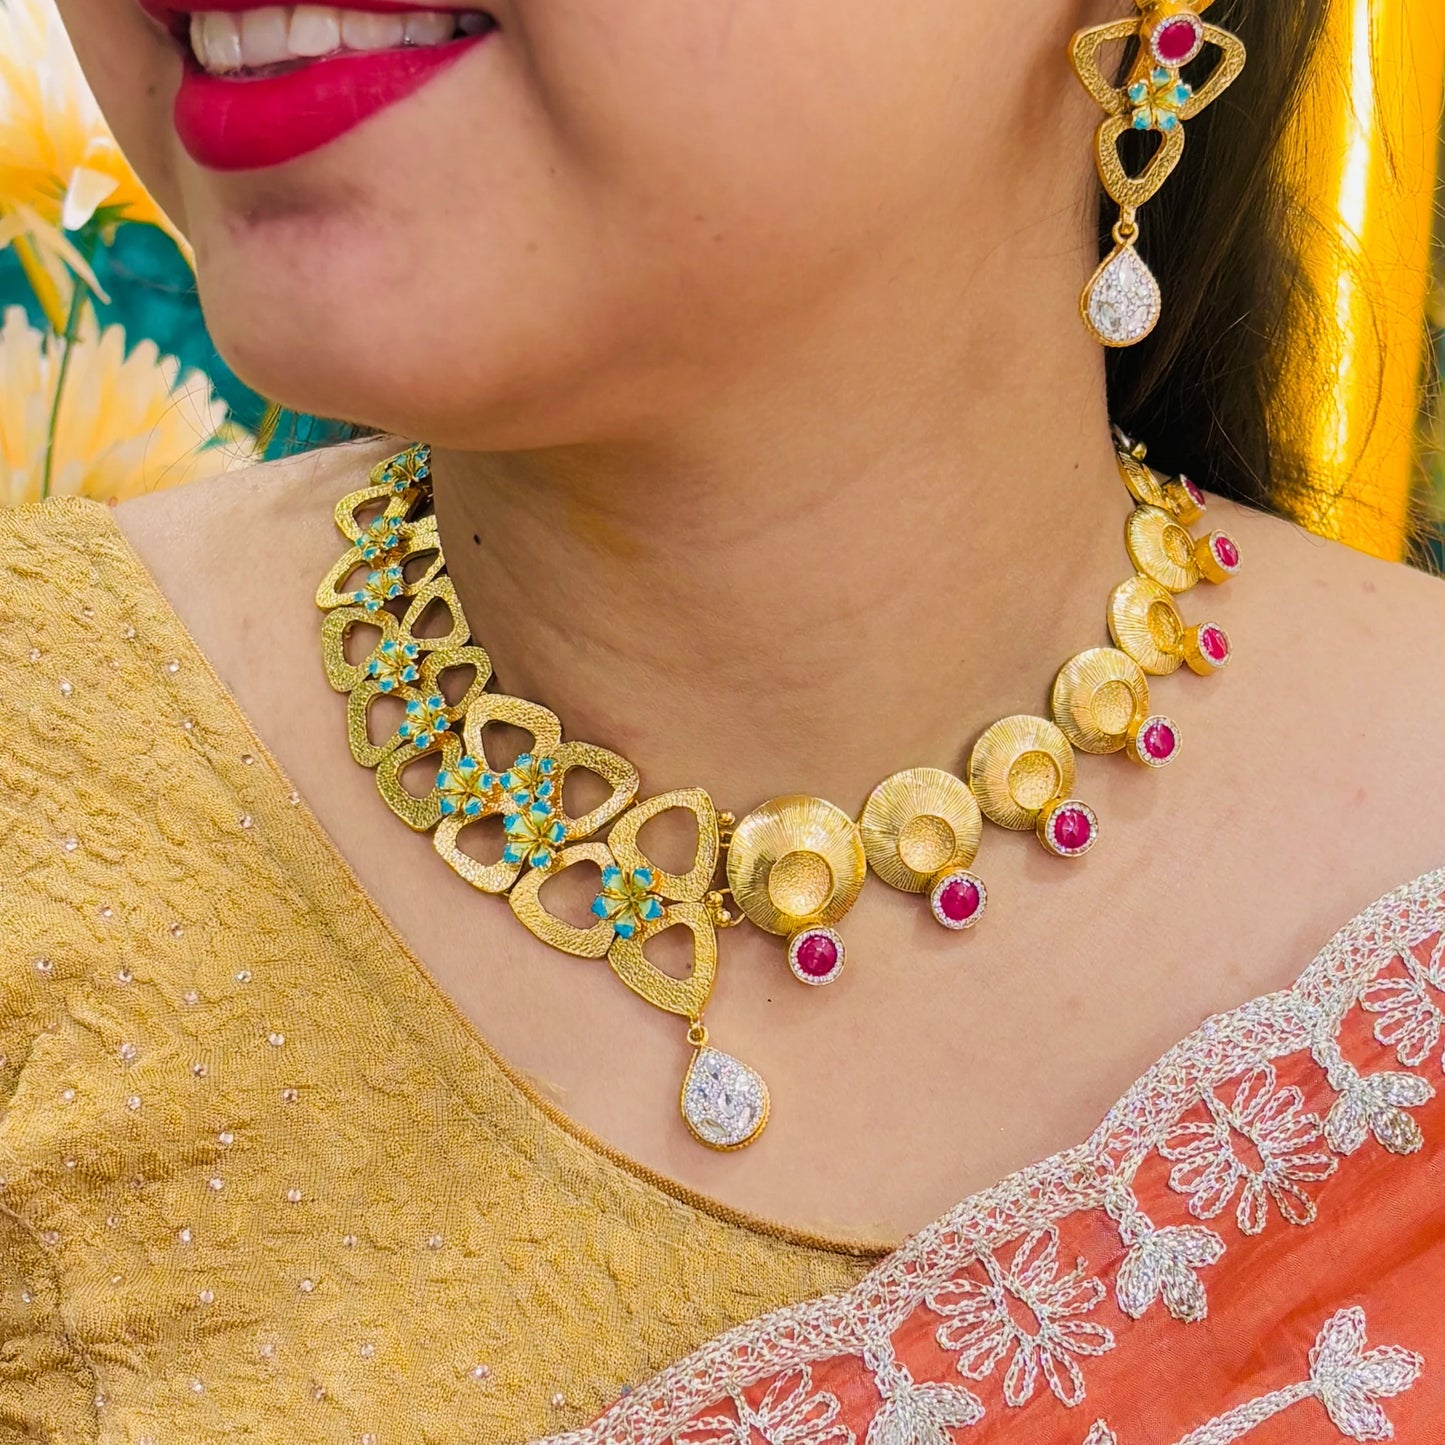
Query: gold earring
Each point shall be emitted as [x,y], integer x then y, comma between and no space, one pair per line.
[1122,302]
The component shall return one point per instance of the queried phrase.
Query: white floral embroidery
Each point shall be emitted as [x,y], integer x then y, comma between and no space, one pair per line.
[789,1414]
[1163,1263]
[1349,1379]
[1210,1170]
[1101,1434]
[1160,1262]
[1073,1182]
[1376,1105]
[914,1414]
[980,1320]
[1410,1020]
[1345,1378]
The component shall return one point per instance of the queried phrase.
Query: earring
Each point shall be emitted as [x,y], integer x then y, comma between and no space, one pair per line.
[1121,304]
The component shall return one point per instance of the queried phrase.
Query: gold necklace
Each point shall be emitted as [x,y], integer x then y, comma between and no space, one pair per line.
[793,866]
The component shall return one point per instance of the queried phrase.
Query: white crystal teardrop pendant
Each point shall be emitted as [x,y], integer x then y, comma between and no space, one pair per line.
[724,1103]
[1121,304]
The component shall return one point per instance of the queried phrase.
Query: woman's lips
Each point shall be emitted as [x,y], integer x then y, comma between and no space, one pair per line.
[250,121]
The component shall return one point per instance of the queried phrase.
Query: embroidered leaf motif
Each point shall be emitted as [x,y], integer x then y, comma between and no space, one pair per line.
[923,1415]
[1272,1119]
[1377,1105]
[981,1327]
[1164,1263]
[1101,1434]
[1349,1379]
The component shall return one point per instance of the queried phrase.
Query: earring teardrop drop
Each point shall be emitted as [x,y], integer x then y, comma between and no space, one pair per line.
[1122,302]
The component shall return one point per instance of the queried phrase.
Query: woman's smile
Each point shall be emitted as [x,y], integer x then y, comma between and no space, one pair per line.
[266,84]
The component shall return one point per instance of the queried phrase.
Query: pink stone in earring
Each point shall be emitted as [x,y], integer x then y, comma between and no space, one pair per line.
[1177,40]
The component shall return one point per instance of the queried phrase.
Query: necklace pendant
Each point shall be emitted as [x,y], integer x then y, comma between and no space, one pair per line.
[724,1103]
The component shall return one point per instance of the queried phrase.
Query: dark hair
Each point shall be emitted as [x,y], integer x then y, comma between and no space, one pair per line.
[1224,238]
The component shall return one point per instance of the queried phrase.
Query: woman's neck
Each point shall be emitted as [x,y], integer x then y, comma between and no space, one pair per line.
[849,561]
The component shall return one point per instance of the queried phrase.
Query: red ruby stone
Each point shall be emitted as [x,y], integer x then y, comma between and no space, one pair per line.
[1176,40]
[1226,551]
[1160,740]
[1072,829]
[817,955]
[958,899]
[1196,492]
[1214,642]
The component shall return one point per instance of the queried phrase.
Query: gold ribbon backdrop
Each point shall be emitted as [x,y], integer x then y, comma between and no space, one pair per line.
[1368,141]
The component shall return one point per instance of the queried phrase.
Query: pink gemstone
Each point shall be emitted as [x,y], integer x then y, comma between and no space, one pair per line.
[958,899]
[1214,643]
[1072,829]
[1196,492]
[1226,551]
[816,955]
[1177,40]
[1160,740]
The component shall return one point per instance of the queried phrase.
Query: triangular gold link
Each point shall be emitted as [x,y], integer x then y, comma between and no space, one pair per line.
[1086,46]
[1222,76]
[1125,189]
[1084,51]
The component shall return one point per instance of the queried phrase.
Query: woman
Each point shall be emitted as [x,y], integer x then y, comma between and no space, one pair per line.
[770,457]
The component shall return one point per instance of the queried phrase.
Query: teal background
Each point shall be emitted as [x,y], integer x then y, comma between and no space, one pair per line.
[153,294]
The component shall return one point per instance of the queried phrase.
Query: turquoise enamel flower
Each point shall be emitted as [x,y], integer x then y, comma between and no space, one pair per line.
[530,779]
[1158,100]
[379,588]
[410,469]
[380,540]
[627,901]
[393,664]
[535,835]
[468,789]
[425,718]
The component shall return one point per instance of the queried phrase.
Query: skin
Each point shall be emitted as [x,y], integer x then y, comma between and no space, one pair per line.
[747,337]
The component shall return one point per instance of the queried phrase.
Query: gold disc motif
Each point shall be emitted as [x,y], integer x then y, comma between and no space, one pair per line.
[918,824]
[1097,696]
[1141,479]
[1017,768]
[796,862]
[1161,549]
[1145,623]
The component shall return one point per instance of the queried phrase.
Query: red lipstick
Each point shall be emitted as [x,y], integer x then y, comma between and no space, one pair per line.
[249,121]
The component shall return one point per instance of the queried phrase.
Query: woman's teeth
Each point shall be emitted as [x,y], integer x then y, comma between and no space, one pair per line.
[225,41]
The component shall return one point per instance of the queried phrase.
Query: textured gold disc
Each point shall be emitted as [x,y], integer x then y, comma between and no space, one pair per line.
[918,823]
[800,883]
[796,862]
[1097,695]
[1017,768]
[1161,549]
[1142,480]
[1146,624]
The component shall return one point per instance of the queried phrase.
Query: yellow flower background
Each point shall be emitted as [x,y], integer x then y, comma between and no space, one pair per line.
[83,409]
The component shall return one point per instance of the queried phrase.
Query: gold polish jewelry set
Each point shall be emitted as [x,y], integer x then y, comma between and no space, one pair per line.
[795,865]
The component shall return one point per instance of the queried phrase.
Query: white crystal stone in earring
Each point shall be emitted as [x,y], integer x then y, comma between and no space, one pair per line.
[1122,303]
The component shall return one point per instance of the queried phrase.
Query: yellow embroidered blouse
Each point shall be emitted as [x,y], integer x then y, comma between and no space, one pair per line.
[257,1176]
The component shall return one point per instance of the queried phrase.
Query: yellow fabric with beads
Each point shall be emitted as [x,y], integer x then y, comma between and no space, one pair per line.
[260,1179]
